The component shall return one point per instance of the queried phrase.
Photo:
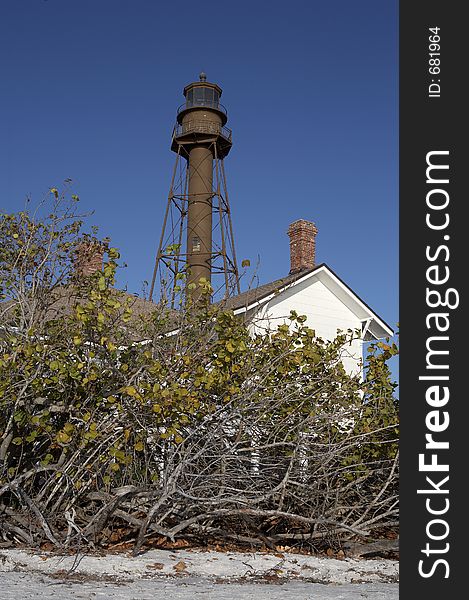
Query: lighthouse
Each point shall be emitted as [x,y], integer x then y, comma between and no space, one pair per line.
[196,247]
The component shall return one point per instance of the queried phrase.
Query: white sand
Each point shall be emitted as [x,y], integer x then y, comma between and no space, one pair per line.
[186,574]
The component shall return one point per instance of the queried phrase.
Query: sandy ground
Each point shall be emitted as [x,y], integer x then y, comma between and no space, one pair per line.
[187,574]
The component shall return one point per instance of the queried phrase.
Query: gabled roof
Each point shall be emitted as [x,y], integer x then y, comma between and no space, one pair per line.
[373,326]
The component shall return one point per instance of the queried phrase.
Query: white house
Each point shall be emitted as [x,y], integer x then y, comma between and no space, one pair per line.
[316,292]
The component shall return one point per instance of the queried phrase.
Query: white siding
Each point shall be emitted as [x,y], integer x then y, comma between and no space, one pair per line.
[325,313]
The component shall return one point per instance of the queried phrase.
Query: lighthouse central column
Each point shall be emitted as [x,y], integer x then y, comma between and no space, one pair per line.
[199,216]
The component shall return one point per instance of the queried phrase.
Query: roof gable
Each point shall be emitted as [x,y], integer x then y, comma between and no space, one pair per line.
[373,326]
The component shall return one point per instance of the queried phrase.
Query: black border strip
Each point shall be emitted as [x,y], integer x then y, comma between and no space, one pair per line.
[432,119]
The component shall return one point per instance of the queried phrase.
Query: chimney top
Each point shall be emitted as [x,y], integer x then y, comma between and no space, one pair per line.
[89,256]
[302,235]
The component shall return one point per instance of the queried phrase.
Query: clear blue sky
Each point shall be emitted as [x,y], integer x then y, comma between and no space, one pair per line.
[89,91]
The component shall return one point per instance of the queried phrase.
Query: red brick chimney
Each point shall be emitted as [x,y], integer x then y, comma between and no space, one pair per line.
[89,257]
[302,245]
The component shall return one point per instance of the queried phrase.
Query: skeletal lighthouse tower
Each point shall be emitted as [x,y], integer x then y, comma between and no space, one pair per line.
[196,246]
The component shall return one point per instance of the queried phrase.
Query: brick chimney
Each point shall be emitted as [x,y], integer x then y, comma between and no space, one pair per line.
[89,257]
[302,245]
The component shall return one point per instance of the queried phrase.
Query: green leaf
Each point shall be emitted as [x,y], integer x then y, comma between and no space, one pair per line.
[130,390]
